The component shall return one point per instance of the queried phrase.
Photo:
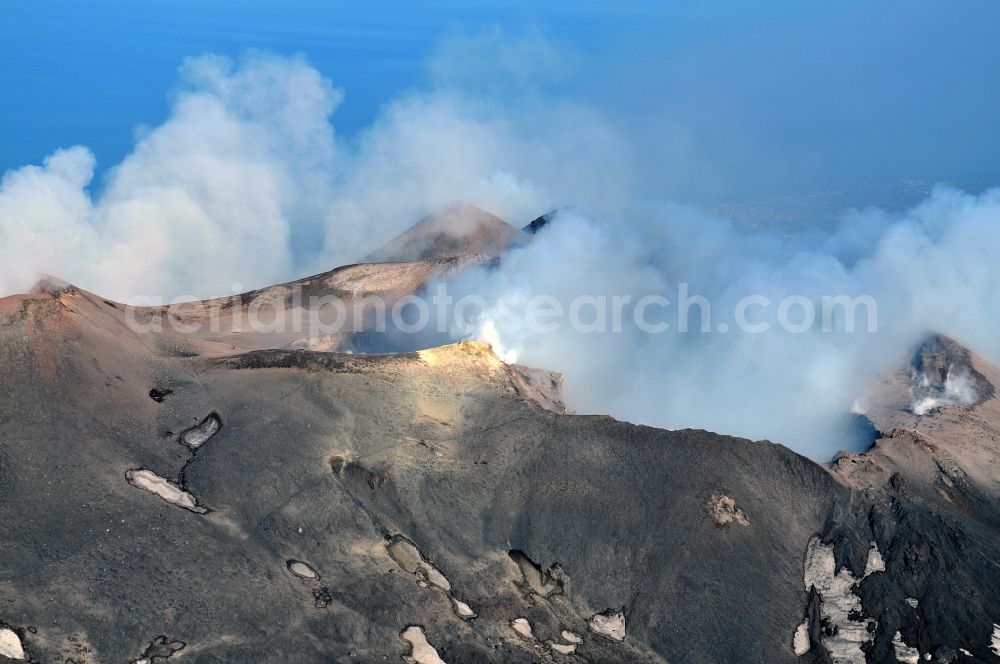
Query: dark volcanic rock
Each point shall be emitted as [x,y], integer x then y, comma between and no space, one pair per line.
[158,395]
[521,512]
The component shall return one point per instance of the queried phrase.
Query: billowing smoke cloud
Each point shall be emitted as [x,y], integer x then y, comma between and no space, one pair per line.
[218,185]
[248,182]
[930,269]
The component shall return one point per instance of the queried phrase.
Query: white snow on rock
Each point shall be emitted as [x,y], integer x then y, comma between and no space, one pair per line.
[609,625]
[436,578]
[912,602]
[837,603]
[800,642]
[875,561]
[463,610]
[522,627]
[421,652]
[572,639]
[301,569]
[544,583]
[10,644]
[164,488]
[904,653]
[412,560]
[995,645]
[409,557]
[197,436]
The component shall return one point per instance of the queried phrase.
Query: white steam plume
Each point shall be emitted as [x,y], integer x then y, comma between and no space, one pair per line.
[247,182]
[930,269]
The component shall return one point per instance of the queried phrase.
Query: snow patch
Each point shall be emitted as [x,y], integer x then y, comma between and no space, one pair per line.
[571,637]
[463,610]
[409,557]
[522,627]
[875,561]
[164,488]
[10,644]
[197,436]
[544,583]
[421,652]
[609,625]
[904,653]
[301,569]
[412,560]
[800,642]
[995,645]
[844,630]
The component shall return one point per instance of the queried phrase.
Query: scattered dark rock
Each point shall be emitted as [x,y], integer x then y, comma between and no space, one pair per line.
[158,395]
[322,597]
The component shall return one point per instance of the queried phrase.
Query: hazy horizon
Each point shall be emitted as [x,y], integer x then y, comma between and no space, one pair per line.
[734,101]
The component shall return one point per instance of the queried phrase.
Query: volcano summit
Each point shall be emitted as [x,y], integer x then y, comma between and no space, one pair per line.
[256,497]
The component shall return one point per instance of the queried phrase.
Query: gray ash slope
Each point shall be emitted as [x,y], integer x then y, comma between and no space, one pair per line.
[287,505]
